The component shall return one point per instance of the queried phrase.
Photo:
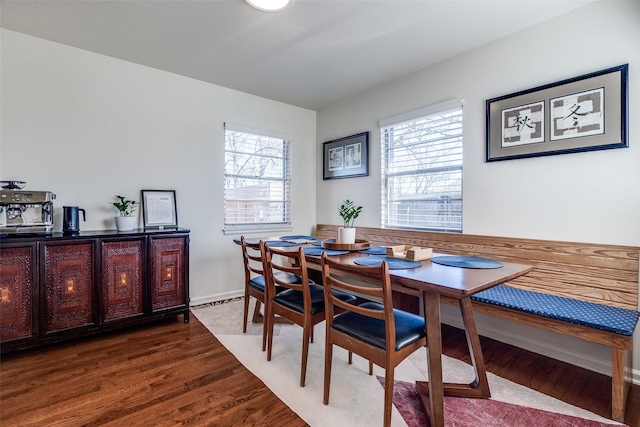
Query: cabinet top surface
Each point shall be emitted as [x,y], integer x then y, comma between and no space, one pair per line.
[58,235]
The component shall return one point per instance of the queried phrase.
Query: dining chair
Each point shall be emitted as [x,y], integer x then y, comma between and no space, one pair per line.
[373,330]
[302,302]
[255,285]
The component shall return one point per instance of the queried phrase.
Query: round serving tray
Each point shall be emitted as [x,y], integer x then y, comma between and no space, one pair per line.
[359,245]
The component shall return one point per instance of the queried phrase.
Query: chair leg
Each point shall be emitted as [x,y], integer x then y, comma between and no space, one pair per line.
[388,395]
[350,357]
[370,367]
[269,319]
[257,318]
[246,311]
[328,356]
[264,327]
[306,336]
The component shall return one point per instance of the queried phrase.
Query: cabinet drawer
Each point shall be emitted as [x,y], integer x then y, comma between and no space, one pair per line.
[18,292]
[168,258]
[68,286]
[122,279]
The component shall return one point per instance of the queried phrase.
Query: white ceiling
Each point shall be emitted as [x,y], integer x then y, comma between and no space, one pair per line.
[311,55]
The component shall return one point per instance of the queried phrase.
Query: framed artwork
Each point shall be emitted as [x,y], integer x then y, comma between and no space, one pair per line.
[159,208]
[583,113]
[346,157]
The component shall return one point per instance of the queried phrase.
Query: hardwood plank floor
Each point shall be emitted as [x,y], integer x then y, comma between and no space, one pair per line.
[169,373]
[174,373]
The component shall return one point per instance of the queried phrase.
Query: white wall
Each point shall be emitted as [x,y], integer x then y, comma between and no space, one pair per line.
[581,197]
[87,127]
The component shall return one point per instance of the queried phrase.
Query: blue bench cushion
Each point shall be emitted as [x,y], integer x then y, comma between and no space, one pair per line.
[603,317]
[409,327]
[294,299]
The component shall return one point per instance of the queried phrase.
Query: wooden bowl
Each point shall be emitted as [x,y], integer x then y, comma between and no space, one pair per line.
[359,245]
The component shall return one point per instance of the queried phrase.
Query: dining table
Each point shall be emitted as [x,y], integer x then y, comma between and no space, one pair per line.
[431,281]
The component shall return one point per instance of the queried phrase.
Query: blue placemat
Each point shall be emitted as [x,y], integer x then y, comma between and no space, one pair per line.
[298,237]
[394,263]
[318,251]
[466,262]
[319,242]
[280,243]
[375,250]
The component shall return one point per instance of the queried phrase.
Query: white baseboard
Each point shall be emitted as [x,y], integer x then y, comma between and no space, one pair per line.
[215,297]
[511,335]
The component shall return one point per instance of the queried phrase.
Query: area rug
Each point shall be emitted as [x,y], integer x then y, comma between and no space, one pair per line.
[356,397]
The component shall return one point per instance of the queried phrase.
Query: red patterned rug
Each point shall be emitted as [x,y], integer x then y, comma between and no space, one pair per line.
[464,412]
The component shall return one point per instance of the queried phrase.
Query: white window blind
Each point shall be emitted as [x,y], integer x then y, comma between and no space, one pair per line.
[422,169]
[257,176]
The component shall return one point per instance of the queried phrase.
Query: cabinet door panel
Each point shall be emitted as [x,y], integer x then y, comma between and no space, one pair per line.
[122,279]
[68,286]
[17,283]
[168,275]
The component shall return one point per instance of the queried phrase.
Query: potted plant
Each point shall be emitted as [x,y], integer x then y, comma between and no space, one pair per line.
[349,212]
[125,221]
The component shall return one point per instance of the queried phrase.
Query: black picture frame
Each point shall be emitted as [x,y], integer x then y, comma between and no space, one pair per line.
[584,113]
[159,209]
[346,157]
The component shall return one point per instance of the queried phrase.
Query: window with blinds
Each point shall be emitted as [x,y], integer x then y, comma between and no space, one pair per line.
[257,177]
[422,169]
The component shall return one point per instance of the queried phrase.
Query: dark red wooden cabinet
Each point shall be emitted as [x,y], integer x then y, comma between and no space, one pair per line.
[59,287]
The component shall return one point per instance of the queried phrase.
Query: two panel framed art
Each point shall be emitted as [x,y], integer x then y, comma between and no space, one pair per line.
[346,157]
[583,113]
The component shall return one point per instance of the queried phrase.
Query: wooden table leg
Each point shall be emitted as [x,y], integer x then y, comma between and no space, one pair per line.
[432,392]
[480,387]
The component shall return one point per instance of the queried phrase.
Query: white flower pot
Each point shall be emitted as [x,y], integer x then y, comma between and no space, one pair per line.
[126,223]
[346,235]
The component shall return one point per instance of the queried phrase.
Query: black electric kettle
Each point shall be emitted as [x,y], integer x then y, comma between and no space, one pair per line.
[71,219]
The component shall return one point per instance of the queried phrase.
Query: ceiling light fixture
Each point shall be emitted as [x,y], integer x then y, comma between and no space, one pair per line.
[269,5]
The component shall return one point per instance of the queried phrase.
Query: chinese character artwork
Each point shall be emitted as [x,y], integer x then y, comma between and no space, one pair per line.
[577,115]
[523,125]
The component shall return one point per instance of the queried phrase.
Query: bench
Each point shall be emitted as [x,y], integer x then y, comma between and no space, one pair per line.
[574,288]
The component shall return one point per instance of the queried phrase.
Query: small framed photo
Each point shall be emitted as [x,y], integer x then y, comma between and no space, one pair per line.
[583,113]
[346,157]
[159,208]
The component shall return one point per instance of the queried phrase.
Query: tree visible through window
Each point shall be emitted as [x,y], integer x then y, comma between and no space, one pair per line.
[422,170]
[256,180]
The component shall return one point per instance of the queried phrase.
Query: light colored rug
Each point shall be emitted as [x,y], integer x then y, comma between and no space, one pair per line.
[356,397]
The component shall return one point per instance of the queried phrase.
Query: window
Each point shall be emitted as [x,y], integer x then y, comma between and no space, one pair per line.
[256,181]
[422,169]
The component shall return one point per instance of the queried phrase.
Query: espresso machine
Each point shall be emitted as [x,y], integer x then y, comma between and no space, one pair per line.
[25,212]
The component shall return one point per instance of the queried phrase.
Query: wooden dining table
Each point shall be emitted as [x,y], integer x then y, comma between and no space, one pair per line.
[431,281]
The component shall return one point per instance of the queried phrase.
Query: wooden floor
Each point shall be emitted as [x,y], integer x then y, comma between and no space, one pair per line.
[175,373]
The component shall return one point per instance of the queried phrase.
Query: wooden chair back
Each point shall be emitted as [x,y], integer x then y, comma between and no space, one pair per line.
[381,294]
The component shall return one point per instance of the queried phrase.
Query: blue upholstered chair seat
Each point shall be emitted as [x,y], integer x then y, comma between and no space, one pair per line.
[603,317]
[409,327]
[293,299]
[258,282]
